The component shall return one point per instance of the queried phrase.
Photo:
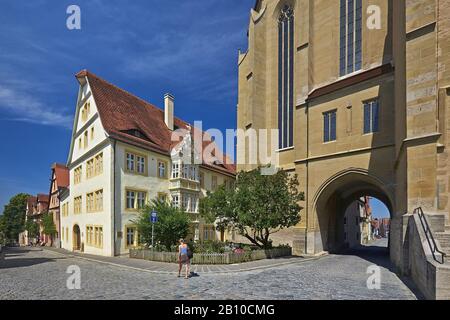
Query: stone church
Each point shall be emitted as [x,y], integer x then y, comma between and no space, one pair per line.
[360,94]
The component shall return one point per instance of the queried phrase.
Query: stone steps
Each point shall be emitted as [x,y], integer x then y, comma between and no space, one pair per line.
[443,239]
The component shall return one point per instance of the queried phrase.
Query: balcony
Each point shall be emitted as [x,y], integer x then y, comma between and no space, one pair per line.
[184,184]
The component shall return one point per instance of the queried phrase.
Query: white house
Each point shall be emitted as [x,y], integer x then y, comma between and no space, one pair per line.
[120,159]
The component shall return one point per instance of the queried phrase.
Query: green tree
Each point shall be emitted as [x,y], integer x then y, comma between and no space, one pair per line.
[257,206]
[13,219]
[32,227]
[173,224]
[2,232]
[48,226]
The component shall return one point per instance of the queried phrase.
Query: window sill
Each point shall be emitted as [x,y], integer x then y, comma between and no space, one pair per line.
[370,133]
[93,176]
[349,75]
[285,149]
[135,173]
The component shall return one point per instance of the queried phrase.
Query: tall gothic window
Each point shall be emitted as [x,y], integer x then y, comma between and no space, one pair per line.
[286,77]
[350,36]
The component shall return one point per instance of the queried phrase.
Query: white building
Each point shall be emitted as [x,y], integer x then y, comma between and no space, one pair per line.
[357,226]
[119,160]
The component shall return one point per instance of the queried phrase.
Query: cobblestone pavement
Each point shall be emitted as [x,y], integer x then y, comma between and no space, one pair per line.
[34,274]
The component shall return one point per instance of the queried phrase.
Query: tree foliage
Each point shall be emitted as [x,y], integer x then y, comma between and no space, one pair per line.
[32,227]
[173,224]
[48,226]
[257,206]
[13,219]
[2,233]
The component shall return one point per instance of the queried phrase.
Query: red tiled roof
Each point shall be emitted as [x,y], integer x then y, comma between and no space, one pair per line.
[121,111]
[31,201]
[42,198]
[62,175]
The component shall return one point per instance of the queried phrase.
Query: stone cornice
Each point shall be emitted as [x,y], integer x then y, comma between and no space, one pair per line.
[343,153]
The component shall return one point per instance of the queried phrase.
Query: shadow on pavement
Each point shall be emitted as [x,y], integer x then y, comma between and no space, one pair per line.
[12,258]
[25,262]
[375,254]
[379,255]
[16,251]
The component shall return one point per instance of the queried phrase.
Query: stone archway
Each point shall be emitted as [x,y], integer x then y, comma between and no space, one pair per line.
[335,195]
[76,238]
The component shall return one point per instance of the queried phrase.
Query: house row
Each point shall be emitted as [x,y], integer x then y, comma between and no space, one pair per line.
[36,207]
[125,152]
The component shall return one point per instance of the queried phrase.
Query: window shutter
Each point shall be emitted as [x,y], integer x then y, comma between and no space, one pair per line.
[333,126]
[343,37]
[326,132]
[350,36]
[366,118]
[280,85]
[375,115]
[358,35]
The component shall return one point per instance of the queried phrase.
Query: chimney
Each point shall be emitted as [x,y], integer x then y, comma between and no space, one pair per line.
[168,110]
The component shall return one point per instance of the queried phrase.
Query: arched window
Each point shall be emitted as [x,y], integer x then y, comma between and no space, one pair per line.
[286,77]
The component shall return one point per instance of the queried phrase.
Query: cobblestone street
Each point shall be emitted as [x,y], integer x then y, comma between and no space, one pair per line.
[34,274]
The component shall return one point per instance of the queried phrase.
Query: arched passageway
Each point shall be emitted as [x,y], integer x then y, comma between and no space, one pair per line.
[343,217]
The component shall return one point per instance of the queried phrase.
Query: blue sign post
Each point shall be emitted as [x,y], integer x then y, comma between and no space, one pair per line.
[153,219]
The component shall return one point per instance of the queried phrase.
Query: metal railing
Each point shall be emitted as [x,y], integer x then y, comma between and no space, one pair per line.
[431,242]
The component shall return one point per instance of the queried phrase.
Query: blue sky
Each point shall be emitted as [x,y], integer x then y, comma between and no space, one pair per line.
[148,47]
[379,209]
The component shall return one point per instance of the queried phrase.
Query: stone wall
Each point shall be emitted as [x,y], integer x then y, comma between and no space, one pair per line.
[432,278]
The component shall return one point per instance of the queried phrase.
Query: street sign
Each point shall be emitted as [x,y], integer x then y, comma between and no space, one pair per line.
[154,217]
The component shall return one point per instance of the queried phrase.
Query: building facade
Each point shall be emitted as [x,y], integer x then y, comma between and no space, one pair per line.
[24,239]
[121,158]
[357,223]
[59,181]
[359,91]
[36,207]
[384,227]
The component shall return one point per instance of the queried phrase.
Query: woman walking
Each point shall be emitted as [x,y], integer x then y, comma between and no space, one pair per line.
[183,258]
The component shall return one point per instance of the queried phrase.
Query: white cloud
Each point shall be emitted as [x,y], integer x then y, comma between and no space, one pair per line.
[24,107]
